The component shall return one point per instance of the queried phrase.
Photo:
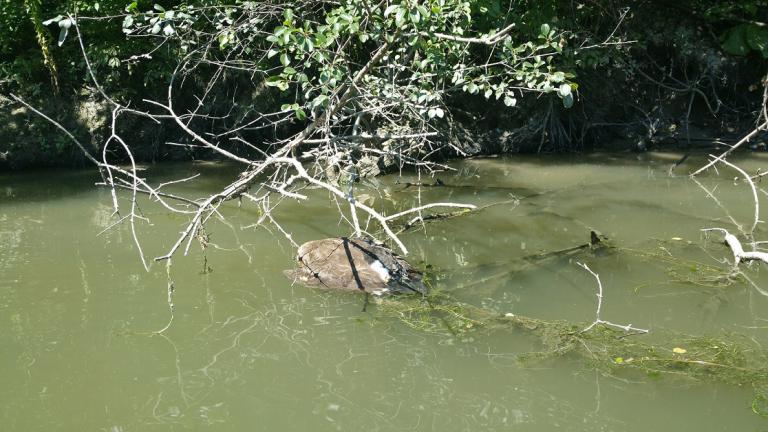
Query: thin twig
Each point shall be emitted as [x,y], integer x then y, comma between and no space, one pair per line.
[598,320]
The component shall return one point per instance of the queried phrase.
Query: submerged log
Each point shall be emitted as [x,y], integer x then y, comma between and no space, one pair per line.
[354,265]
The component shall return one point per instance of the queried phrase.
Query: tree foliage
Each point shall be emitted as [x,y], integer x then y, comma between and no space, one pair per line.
[450,64]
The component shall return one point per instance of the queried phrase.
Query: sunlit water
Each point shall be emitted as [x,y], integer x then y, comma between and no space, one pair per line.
[249,351]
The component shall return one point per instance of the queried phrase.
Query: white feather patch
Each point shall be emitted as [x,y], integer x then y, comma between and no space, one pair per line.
[380,270]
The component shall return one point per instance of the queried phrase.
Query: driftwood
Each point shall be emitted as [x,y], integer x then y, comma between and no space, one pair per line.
[739,254]
[596,241]
[597,244]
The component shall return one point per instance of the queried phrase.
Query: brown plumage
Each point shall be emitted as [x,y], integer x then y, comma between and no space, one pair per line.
[354,265]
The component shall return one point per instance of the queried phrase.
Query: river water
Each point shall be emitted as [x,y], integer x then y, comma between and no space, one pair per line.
[247,350]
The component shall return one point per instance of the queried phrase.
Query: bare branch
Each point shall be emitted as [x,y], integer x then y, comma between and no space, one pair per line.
[598,320]
[763,126]
[739,254]
[485,40]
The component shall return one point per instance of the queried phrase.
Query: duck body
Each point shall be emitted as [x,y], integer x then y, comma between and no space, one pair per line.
[354,264]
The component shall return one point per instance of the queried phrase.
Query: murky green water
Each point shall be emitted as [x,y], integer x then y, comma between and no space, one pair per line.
[248,351]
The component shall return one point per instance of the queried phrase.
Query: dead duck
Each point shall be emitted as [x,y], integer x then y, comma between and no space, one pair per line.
[354,264]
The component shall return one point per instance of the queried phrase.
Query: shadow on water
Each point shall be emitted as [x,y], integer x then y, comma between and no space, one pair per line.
[51,184]
[45,185]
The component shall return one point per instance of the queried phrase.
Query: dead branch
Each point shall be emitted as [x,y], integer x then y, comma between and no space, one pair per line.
[739,254]
[598,320]
[333,133]
[763,126]
[484,40]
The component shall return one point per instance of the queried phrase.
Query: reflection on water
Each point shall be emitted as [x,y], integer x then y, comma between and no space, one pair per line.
[248,351]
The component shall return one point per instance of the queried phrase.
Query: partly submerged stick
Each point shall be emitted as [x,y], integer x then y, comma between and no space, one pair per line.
[763,126]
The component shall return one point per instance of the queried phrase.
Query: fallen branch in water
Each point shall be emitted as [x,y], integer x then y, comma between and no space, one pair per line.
[739,254]
[598,319]
[763,126]
[731,358]
[465,210]
[278,173]
[754,194]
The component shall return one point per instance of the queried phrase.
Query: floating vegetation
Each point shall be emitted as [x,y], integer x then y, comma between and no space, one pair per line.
[730,358]
[686,271]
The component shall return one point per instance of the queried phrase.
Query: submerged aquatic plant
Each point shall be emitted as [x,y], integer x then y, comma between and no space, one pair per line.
[729,358]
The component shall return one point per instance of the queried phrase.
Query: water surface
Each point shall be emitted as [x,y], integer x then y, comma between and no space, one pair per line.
[250,351]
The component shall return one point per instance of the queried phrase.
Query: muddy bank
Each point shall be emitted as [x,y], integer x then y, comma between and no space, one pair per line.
[28,141]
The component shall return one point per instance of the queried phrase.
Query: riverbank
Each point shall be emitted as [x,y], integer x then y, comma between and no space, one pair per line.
[30,142]
[660,75]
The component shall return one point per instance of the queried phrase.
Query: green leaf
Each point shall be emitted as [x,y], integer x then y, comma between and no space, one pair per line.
[735,41]
[568,100]
[273,81]
[159,8]
[414,15]
[285,59]
[390,9]
[423,11]
[63,34]
[400,17]
[544,30]
[300,114]
[55,19]
[271,53]
[564,90]
[757,39]
[510,101]
[318,101]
